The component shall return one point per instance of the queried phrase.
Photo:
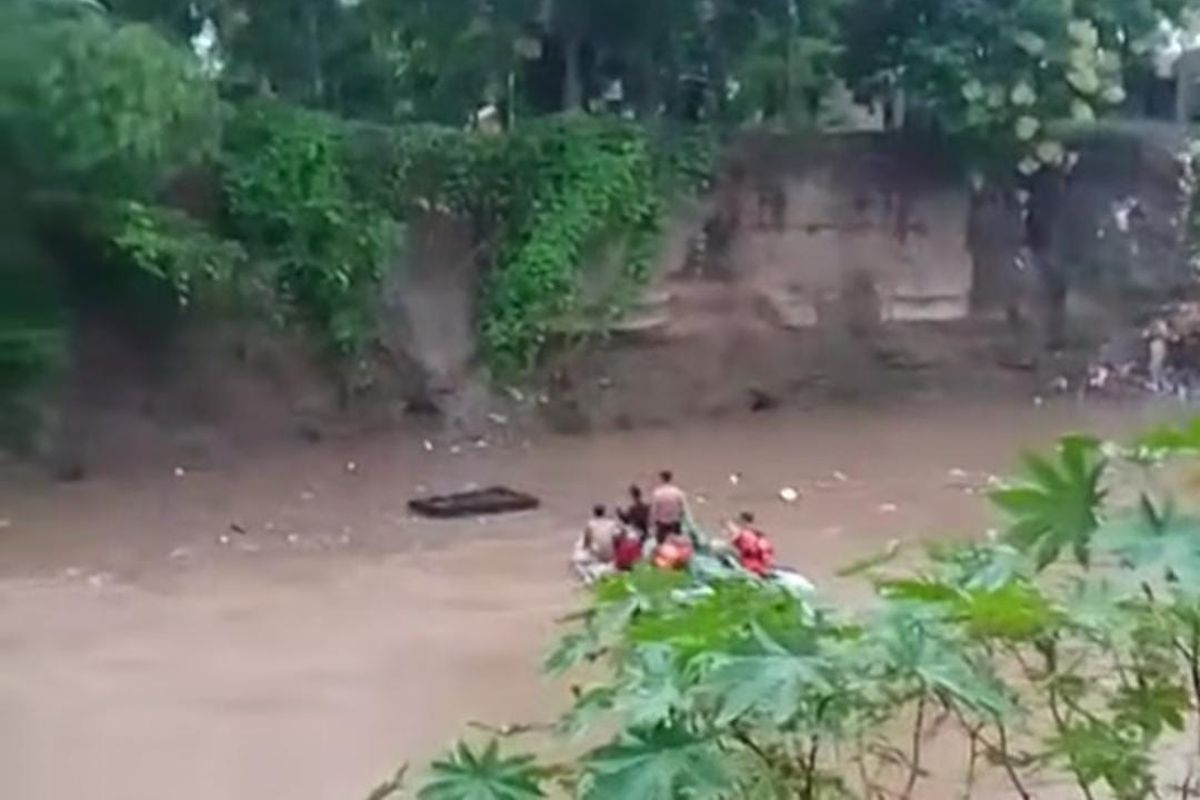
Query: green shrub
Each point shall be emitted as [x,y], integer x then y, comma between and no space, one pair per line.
[289,201]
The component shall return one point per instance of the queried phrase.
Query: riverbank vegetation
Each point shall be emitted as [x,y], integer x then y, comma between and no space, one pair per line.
[1060,654]
[273,154]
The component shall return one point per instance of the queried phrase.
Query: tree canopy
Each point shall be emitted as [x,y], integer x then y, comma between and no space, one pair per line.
[106,104]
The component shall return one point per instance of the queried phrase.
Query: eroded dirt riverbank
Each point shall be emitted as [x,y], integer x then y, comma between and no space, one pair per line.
[282,628]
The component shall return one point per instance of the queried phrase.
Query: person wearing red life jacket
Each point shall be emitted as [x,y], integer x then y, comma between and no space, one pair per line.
[754,550]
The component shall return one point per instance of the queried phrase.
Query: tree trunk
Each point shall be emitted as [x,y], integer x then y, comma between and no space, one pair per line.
[1041,233]
[572,72]
[316,72]
[648,96]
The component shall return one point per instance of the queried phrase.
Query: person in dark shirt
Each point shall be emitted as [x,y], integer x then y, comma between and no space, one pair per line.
[637,515]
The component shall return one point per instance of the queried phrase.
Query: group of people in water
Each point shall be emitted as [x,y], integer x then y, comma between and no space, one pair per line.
[657,532]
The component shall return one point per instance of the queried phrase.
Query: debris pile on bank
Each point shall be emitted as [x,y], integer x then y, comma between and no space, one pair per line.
[1162,358]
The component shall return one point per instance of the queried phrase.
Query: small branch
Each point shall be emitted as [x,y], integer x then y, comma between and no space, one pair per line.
[1193,662]
[810,768]
[745,740]
[1060,725]
[1185,788]
[510,731]
[972,759]
[1006,759]
[914,766]
[393,785]
[860,762]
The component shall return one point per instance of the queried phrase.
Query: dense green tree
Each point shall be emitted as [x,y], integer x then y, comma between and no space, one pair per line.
[996,75]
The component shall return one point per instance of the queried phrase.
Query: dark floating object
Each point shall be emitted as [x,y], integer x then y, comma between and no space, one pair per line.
[493,500]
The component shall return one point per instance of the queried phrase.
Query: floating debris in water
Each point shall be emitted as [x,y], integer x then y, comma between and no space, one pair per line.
[180,554]
[498,419]
[888,508]
[957,474]
[306,496]
[351,466]
[735,478]
[481,444]
[100,580]
[1038,400]
[5,524]
[428,446]
[455,450]
[789,495]
[840,476]
[293,538]
[224,539]
[180,472]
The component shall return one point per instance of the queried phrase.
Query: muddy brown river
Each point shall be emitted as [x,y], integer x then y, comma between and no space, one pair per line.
[281,628]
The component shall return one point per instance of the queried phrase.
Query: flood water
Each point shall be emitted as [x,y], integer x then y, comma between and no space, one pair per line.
[281,628]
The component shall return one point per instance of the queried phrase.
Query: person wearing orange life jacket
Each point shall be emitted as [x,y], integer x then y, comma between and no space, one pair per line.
[673,552]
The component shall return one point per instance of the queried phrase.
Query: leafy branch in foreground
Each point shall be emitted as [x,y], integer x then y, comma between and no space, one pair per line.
[720,685]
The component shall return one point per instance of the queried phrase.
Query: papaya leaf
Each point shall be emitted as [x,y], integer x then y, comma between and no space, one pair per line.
[591,706]
[1056,505]
[651,690]
[1155,545]
[1171,440]
[1014,611]
[772,683]
[1097,751]
[487,775]
[924,651]
[572,650]
[979,566]
[662,763]
[1152,707]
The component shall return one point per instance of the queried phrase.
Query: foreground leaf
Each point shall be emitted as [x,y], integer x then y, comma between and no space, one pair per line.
[467,775]
[772,683]
[664,763]
[1057,505]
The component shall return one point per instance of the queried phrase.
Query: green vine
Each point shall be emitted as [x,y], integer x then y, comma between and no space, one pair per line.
[602,184]
[314,203]
[174,247]
[290,201]
[545,199]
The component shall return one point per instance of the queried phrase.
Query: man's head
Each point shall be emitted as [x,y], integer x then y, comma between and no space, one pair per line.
[746,518]
[666,476]
[635,492]
[599,510]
